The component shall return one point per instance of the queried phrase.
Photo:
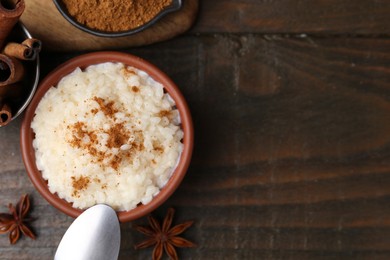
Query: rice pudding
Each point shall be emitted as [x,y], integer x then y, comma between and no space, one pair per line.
[108,134]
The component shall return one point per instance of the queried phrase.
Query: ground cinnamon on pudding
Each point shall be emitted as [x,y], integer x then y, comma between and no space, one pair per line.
[118,137]
[79,184]
[115,15]
[106,107]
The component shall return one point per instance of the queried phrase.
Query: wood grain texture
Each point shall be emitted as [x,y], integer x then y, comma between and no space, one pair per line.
[44,22]
[295,16]
[291,155]
[292,140]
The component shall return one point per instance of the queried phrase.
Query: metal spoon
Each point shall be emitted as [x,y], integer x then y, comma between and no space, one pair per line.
[95,234]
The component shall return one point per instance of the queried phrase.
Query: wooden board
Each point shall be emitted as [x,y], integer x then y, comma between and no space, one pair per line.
[44,21]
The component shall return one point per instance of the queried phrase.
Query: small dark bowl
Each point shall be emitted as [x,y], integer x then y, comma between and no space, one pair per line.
[175,6]
[27,135]
[31,78]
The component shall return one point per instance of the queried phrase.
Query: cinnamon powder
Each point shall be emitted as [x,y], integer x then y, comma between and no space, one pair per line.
[115,15]
[79,184]
[118,135]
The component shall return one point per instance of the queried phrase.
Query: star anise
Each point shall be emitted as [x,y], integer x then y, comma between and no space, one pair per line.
[164,238]
[15,222]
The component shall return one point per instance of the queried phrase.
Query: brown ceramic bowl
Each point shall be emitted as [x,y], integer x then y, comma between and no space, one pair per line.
[83,61]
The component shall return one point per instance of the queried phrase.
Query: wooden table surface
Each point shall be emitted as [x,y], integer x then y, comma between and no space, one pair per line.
[291,107]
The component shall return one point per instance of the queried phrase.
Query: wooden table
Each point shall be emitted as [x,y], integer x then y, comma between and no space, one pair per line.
[291,107]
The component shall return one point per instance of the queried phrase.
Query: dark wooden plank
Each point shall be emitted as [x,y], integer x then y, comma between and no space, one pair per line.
[294,16]
[291,157]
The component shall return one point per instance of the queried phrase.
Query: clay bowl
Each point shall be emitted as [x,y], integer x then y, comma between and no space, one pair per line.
[83,61]
[175,6]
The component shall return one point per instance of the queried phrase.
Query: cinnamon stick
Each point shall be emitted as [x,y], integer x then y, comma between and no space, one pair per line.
[11,92]
[19,51]
[11,70]
[33,43]
[9,16]
[5,114]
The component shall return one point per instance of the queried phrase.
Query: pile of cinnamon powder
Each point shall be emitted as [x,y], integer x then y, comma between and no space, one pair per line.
[115,15]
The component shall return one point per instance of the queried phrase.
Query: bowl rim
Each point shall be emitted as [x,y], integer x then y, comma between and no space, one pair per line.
[175,6]
[36,81]
[83,61]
